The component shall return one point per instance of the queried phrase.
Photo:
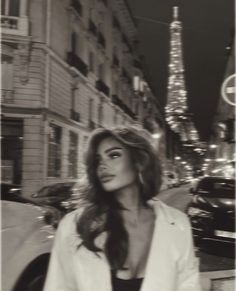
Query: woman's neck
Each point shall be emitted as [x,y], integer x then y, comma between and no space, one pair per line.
[129,197]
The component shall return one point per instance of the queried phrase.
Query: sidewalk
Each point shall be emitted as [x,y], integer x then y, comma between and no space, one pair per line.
[218,280]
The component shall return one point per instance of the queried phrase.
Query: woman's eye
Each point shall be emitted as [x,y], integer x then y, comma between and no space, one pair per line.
[114,155]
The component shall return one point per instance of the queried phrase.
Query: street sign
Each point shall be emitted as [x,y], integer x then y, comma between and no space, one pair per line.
[228,90]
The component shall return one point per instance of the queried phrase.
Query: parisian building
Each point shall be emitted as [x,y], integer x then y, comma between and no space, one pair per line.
[221,150]
[67,67]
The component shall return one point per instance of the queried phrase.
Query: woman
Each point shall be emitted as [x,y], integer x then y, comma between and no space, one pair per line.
[120,239]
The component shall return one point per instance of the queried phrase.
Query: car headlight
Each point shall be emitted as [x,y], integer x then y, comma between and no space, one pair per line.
[194,211]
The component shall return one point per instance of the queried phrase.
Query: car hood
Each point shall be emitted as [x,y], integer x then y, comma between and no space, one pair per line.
[22,224]
[217,203]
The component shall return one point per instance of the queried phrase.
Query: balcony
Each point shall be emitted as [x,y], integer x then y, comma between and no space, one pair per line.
[101,40]
[9,22]
[76,5]
[92,27]
[117,101]
[125,40]
[102,87]
[126,76]
[14,25]
[138,64]
[74,61]
[75,115]
[7,96]
[92,124]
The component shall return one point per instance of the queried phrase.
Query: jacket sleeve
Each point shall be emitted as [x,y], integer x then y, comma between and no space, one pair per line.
[188,266]
[60,275]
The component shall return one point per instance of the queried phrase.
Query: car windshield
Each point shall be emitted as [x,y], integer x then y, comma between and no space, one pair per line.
[56,189]
[223,188]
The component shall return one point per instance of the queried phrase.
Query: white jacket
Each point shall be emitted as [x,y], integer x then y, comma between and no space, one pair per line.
[171,264]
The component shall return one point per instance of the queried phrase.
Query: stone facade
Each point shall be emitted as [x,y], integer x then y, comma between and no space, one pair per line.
[69,67]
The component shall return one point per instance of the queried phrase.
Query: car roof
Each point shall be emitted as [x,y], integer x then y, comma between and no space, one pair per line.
[217,178]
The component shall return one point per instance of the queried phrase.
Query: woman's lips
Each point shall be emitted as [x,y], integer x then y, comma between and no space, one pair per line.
[106,178]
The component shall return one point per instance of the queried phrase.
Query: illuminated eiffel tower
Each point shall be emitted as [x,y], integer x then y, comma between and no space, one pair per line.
[177,115]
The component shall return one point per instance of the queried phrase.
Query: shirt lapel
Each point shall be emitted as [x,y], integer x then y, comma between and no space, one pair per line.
[160,267]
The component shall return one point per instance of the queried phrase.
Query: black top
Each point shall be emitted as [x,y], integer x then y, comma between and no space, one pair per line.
[126,285]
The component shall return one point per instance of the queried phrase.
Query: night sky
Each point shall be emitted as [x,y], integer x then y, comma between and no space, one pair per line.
[207,31]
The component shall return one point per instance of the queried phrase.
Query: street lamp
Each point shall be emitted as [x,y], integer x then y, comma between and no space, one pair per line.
[177,158]
[156,135]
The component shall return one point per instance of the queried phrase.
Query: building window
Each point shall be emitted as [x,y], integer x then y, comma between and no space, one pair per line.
[74,42]
[91,61]
[101,72]
[7,79]
[54,151]
[7,76]
[12,150]
[100,113]
[73,155]
[10,7]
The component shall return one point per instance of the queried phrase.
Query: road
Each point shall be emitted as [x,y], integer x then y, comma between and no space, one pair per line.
[212,258]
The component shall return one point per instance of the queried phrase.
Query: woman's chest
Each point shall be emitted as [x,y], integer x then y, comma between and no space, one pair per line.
[139,242]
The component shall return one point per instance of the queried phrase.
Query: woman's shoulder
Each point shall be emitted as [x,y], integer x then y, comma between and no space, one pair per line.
[68,225]
[171,214]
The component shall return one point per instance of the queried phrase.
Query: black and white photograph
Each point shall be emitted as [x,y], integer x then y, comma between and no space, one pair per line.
[118,145]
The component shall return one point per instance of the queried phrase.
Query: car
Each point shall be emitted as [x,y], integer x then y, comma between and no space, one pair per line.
[9,188]
[172,179]
[28,232]
[56,194]
[212,210]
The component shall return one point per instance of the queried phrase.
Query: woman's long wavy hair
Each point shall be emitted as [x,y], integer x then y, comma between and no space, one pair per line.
[101,209]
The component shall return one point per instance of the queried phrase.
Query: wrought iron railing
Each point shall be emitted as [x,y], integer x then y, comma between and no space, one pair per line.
[7,96]
[92,27]
[9,22]
[77,6]
[77,62]
[101,40]
[101,86]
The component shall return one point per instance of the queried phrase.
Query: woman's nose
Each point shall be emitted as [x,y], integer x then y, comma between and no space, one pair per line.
[102,164]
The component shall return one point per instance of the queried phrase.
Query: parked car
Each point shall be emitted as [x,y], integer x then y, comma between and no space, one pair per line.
[212,210]
[9,188]
[172,179]
[56,194]
[27,236]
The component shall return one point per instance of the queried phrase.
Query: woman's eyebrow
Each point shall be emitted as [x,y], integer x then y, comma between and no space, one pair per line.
[112,149]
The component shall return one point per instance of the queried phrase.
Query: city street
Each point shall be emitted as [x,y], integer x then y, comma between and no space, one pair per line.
[212,258]
[97,96]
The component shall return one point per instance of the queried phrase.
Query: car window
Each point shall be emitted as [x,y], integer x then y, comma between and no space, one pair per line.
[56,190]
[43,191]
[217,188]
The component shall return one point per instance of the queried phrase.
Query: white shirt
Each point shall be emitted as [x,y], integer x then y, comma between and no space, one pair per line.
[171,265]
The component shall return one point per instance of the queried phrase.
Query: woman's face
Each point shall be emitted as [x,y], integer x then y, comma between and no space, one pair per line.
[114,167]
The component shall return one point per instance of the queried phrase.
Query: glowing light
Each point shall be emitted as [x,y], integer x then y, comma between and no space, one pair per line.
[178,158]
[177,115]
[156,135]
